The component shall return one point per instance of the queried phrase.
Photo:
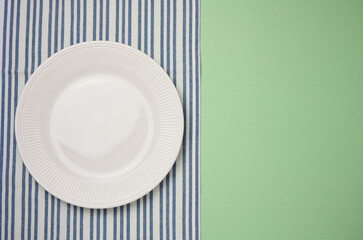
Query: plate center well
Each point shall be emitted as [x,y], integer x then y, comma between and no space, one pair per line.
[101,124]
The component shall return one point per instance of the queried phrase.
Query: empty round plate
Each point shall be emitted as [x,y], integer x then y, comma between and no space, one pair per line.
[99,124]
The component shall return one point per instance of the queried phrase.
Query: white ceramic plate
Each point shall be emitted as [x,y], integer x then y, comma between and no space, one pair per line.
[99,124]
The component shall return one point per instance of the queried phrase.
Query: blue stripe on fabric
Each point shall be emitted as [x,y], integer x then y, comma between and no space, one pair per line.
[174,204]
[139,25]
[55,50]
[36,210]
[32,66]
[168,37]
[174,166]
[72,22]
[45,215]
[56,12]
[49,54]
[107,19]
[62,27]
[138,219]
[174,81]
[30,190]
[197,120]
[122,222]
[11,26]
[185,122]
[14,160]
[91,224]
[3,108]
[129,22]
[162,33]
[144,202]
[190,118]
[40,28]
[50,27]
[129,42]
[78,21]
[161,232]
[128,222]
[26,50]
[161,207]
[174,45]
[98,224]
[100,36]
[123,21]
[145,25]
[167,223]
[94,19]
[81,210]
[58,218]
[167,210]
[52,217]
[114,223]
[117,19]
[104,224]
[16,65]
[74,222]
[151,210]
[81,214]
[151,227]
[152,30]
[68,236]
[23,202]
[84,20]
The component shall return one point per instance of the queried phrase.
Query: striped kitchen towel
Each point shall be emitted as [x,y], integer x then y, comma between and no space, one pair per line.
[33,30]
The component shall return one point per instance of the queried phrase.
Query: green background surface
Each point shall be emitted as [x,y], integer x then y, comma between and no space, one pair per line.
[282,120]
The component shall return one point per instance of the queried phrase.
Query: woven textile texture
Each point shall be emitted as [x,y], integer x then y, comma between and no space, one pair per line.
[33,30]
